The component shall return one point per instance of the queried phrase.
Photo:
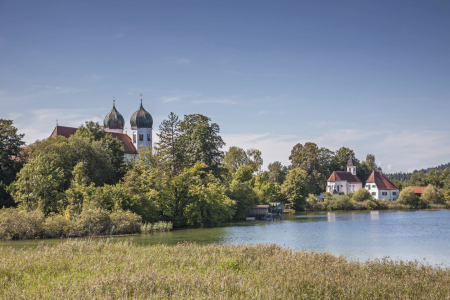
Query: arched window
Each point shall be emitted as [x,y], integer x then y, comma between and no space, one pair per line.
[134,137]
[149,137]
[141,137]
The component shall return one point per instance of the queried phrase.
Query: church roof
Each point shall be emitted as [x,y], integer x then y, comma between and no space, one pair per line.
[114,120]
[381,181]
[350,162]
[343,176]
[124,138]
[64,131]
[141,119]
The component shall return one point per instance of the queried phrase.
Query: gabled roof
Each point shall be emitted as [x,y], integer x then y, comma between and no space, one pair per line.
[343,176]
[418,189]
[124,138]
[381,181]
[64,131]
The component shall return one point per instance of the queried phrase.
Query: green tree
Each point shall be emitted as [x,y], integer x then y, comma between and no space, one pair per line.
[170,144]
[39,185]
[361,195]
[244,196]
[11,159]
[296,188]
[408,197]
[236,157]
[276,172]
[202,142]
[315,161]
[340,159]
[65,154]
[430,195]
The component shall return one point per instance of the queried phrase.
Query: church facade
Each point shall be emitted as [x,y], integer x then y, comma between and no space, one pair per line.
[114,123]
[344,181]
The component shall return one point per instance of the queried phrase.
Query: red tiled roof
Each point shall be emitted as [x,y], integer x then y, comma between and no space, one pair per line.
[124,138]
[418,189]
[126,141]
[64,131]
[343,176]
[382,182]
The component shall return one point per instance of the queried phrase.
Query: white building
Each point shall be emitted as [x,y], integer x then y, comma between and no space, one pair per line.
[381,187]
[344,181]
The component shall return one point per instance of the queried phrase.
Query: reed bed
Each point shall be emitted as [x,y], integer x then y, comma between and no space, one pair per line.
[160,226]
[106,269]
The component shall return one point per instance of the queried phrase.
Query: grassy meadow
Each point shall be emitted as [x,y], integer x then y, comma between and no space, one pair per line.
[86,269]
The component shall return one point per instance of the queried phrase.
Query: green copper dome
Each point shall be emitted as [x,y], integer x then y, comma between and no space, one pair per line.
[141,119]
[114,119]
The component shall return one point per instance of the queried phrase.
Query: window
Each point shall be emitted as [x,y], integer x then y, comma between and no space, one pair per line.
[141,137]
[148,137]
[374,186]
[384,193]
[368,187]
[134,137]
[373,194]
[394,193]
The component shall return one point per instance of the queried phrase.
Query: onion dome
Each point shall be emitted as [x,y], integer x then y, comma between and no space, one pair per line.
[141,119]
[114,120]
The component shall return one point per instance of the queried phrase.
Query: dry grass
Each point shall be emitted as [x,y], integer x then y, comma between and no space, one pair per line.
[108,270]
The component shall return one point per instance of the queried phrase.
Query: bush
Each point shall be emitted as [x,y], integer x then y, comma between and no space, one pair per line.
[56,226]
[339,203]
[93,221]
[16,224]
[370,204]
[361,195]
[156,227]
[124,222]
[408,197]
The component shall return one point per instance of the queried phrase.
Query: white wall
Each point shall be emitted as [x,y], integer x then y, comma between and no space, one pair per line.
[379,193]
[346,187]
[144,132]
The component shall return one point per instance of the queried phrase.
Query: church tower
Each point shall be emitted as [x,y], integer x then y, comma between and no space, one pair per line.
[114,122]
[351,166]
[141,128]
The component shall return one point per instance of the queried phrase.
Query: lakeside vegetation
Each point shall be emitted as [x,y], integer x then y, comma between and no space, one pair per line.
[112,270]
[84,184]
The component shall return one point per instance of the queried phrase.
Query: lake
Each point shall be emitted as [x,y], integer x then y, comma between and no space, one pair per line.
[358,235]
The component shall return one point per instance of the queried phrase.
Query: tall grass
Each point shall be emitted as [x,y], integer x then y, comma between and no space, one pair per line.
[109,270]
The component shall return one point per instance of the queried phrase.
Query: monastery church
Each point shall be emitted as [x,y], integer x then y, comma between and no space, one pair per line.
[141,129]
[379,186]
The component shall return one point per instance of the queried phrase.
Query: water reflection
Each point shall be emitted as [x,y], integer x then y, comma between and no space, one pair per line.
[374,215]
[331,217]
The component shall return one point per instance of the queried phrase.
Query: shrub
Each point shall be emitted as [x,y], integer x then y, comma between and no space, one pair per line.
[93,221]
[16,224]
[56,226]
[339,203]
[361,195]
[408,197]
[370,204]
[430,195]
[124,222]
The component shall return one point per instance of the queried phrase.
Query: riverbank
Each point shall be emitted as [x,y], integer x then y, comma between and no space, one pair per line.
[343,203]
[103,269]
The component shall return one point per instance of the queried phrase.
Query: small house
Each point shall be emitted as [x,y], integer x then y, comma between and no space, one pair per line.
[418,190]
[258,211]
[381,187]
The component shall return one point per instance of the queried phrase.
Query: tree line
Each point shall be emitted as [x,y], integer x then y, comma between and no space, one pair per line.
[400,176]
[186,179]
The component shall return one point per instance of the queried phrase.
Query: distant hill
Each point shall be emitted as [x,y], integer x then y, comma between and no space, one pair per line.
[407,176]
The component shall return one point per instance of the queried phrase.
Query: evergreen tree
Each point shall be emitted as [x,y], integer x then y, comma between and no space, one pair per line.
[170,145]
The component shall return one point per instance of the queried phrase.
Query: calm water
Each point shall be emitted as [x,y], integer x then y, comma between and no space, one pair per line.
[407,235]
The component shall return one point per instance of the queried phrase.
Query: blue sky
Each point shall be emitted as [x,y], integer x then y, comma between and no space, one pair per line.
[369,75]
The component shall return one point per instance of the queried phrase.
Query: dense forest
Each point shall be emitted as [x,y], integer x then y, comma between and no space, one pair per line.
[407,176]
[186,179]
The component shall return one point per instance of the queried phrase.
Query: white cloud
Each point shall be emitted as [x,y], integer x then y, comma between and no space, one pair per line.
[39,124]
